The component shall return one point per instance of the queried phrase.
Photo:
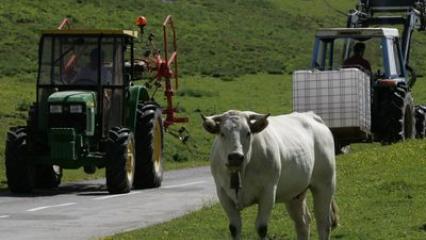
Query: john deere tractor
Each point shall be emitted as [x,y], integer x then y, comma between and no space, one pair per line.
[88,114]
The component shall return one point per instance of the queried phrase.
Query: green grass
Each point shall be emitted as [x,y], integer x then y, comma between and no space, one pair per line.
[380,193]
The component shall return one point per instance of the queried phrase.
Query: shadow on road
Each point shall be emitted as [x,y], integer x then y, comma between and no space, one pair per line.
[80,189]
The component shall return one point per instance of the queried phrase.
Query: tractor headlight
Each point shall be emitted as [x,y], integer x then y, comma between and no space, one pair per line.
[55,109]
[76,109]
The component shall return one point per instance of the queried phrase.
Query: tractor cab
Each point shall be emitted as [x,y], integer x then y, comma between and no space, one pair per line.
[375,51]
[82,78]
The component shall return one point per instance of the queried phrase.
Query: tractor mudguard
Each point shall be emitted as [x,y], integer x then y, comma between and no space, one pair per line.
[136,94]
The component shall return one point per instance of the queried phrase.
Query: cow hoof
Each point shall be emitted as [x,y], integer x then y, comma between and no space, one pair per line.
[262,231]
[233,231]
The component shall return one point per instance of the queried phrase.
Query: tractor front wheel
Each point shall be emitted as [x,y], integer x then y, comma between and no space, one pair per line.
[19,171]
[149,146]
[120,156]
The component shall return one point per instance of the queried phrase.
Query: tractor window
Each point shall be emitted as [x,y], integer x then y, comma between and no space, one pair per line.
[348,52]
[81,68]
[374,54]
[112,112]
[395,65]
[46,60]
[112,62]
[329,55]
[77,60]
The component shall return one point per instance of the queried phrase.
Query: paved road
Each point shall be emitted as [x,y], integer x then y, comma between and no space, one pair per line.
[86,211]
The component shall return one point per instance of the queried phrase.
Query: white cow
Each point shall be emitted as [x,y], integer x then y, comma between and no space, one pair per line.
[260,159]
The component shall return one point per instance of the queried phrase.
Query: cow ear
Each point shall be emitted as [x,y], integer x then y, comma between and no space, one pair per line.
[258,122]
[211,124]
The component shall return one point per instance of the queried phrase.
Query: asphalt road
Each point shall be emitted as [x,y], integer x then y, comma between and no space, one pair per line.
[85,210]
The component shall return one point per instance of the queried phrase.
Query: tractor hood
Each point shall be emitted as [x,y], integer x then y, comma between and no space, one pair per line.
[69,97]
[73,110]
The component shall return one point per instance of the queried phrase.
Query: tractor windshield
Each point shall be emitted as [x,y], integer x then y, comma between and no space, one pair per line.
[367,54]
[81,60]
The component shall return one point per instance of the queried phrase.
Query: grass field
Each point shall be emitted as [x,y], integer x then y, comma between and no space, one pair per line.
[380,193]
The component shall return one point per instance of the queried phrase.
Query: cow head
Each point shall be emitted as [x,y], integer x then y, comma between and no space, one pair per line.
[234,129]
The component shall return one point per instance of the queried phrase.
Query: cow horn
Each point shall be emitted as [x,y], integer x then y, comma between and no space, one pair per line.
[212,123]
[258,122]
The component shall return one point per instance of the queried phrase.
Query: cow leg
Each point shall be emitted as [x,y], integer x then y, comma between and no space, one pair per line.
[323,210]
[266,203]
[234,215]
[299,212]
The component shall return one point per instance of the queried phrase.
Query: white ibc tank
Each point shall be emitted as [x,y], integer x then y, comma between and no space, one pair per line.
[340,97]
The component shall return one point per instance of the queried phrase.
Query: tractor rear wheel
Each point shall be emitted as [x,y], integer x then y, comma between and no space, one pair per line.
[149,146]
[120,166]
[397,116]
[19,171]
[420,115]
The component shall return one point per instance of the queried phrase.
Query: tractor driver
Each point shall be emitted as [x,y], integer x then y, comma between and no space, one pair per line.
[357,59]
[88,75]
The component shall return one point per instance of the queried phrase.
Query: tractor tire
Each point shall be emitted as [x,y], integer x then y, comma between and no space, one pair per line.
[149,146]
[120,162]
[420,115]
[47,177]
[19,171]
[397,116]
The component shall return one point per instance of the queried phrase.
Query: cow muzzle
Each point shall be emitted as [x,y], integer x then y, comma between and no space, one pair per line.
[235,160]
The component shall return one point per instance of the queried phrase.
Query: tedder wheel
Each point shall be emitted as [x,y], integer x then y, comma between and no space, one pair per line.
[397,121]
[47,176]
[19,171]
[149,146]
[120,165]
[420,115]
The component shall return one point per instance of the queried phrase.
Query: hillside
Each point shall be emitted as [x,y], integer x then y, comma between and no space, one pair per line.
[222,37]
[216,38]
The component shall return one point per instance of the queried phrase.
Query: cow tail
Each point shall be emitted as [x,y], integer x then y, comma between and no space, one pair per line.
[334,214]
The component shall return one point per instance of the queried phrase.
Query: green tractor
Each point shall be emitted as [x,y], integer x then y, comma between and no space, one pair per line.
[89,114]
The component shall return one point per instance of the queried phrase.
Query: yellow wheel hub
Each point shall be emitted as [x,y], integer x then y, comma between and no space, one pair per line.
[156,153]
[130,161]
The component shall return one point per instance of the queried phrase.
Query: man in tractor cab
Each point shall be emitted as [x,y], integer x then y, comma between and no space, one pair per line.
[357,59]
[88,75]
